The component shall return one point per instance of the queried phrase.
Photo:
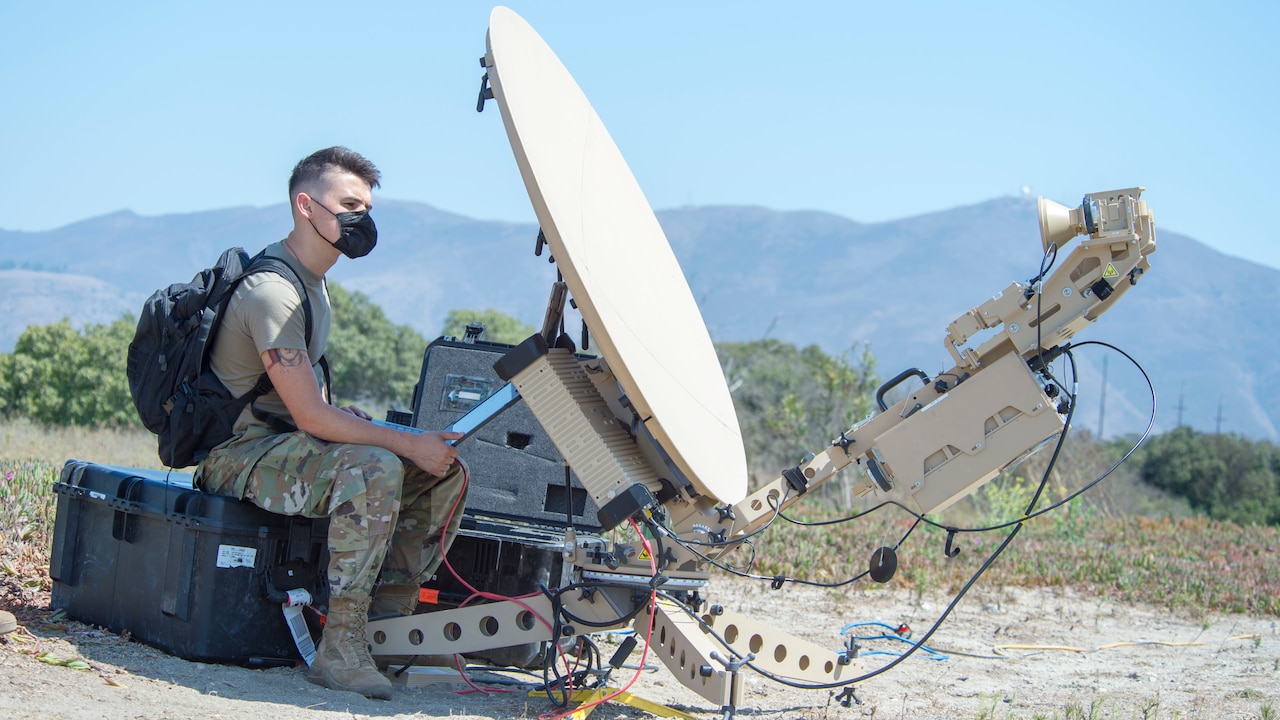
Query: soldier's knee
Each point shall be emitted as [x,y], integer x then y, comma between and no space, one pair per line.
[382,469]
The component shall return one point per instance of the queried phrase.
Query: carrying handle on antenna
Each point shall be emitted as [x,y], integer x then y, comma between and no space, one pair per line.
[897,380]
[486,92]
[554,318]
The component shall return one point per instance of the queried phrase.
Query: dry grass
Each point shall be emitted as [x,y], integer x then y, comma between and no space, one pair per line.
[1190,564]
[27,505]
[31,460]
[1193,565]
[22,439]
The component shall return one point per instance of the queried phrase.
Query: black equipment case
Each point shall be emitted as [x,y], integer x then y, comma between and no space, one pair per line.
[517,473]
[185,571]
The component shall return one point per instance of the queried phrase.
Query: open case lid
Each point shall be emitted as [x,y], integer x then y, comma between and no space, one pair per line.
[616,260]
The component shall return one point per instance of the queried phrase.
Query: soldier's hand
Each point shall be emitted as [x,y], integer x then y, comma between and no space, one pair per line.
[433,453]
[353,410]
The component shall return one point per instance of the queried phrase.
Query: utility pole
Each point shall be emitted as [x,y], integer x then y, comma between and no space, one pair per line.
[1182,393]
[1102,406]
[1217,430]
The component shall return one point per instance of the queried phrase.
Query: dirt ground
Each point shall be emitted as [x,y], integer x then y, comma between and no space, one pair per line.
[1010,653]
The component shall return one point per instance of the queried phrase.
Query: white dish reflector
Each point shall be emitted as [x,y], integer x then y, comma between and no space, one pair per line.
[616,260]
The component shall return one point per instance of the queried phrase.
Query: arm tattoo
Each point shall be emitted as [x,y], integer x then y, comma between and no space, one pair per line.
[286,357]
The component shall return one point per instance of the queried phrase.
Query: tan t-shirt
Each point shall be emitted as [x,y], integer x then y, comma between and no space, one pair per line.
[265,313]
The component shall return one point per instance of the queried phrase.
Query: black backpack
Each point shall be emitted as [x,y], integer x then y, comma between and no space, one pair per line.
[178,397]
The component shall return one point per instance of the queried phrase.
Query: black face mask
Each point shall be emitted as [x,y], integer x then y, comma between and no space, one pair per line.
[358,233]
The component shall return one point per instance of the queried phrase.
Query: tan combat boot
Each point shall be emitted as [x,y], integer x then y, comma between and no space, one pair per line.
[342,660]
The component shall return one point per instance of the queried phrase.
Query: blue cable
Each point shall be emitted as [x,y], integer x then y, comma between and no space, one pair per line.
[893,635]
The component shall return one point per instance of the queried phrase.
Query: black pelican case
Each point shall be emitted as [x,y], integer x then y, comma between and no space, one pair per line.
[179,569]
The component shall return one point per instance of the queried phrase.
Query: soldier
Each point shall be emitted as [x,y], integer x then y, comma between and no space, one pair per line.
[388,494]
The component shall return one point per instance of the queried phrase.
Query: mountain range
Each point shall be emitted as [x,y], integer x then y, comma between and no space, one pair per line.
[1200,323]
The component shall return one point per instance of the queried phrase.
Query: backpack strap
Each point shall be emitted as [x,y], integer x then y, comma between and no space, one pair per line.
[328,384]
[324,361]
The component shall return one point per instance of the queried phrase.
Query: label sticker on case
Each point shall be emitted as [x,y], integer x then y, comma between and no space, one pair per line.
[232,556]
[301,635]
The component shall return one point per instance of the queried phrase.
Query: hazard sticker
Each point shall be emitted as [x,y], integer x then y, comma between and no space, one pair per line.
[1110,272]
[233,556]
[644,555]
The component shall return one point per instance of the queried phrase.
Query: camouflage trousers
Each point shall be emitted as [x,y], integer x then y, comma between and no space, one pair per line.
[387,517]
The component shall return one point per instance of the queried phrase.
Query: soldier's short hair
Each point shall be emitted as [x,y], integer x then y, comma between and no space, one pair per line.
[311,168]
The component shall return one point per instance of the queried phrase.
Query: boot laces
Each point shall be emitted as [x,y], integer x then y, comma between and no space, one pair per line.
[354,637]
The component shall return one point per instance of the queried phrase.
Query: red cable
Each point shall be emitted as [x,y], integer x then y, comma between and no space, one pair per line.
[457,663]
[466,480]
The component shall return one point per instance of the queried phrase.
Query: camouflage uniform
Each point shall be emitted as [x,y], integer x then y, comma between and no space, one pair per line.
[385,514]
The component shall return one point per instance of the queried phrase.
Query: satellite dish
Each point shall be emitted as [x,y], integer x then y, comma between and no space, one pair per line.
[616,260]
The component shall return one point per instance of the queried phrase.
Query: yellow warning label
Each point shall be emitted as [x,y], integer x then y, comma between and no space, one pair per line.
[1110,271]
[644,555]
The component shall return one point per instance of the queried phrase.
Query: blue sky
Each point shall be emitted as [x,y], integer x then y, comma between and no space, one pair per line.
[872,111]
